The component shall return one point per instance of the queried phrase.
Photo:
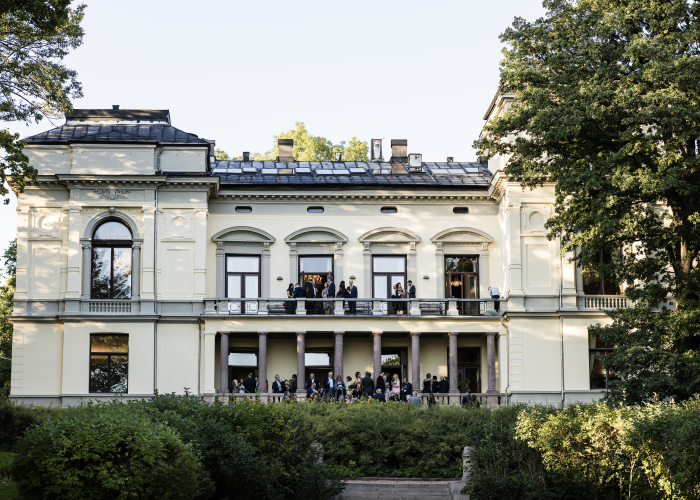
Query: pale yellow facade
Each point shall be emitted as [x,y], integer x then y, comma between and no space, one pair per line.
[184,222]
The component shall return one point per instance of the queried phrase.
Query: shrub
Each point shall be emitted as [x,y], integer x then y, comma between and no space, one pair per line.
[106,451]
[16,418]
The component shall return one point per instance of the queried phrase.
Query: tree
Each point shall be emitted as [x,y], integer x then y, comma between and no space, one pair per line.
[35,84]
[7,295]
[308,147]
[607,106]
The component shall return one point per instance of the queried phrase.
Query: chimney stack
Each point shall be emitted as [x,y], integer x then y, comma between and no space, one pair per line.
[450,159]
[339,157]
[115,106]
[285,147]
[246,155]
[375,153]
[399,151]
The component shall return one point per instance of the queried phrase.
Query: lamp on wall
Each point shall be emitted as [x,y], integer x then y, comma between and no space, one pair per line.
[426,277]
[352,277]
[279,278]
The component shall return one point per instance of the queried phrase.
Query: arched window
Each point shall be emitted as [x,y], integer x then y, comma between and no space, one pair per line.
[111,261]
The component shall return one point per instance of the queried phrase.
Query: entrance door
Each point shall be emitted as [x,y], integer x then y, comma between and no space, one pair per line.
[468,368]
[319,269]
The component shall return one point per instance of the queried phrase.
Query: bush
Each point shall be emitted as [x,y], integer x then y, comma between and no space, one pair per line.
[106,451]
[16,418]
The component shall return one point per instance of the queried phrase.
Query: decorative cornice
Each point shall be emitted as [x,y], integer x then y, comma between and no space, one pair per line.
[354,198]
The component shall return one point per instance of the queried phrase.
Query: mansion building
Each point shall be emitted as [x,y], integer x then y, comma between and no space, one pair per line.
[144,265]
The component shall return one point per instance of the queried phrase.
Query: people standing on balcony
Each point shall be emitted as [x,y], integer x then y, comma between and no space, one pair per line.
[352,294]
[495,294]
[436,385]
[326,307]
[250,384]
[427,388]
[277,387]
[399,293]
[310,293]
[331,287]
[290,305]
[443,386]
[411,290]
[367,385]
[406,389]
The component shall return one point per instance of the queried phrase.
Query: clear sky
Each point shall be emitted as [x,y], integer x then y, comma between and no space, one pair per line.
[240,71]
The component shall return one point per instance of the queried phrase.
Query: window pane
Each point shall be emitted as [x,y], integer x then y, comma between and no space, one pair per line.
[119,374]
[121,286]
[461,265]
[109,343]
[234,287]
[391,359]
[597,374]
[251,287]
[243,264]
[243,359]
[389,264]
[397,279]
[471,287]
[468,356]
[101,272]
[99,376]
[317,359]
[315,264]
[112,231]
[380,287]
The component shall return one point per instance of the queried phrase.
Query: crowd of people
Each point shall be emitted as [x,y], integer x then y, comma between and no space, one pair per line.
[334,389]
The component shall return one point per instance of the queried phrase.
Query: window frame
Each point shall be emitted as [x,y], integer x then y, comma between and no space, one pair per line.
[242,275]
[109,362]
[389,274]
[111,244]
[601,283]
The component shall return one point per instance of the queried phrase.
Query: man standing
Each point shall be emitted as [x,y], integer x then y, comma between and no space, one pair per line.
[352,294]
[426,384]
[249,384]
[367,384]
[436,385]
[495,294]
[406,389]
[415,400]
[277,387]
[293,384]
[411,290]
[329,386]
[311,382]
[443,386]
[331,287]
[381,383]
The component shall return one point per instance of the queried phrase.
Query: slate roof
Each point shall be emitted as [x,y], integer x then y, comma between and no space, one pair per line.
[238,173]
[86,133]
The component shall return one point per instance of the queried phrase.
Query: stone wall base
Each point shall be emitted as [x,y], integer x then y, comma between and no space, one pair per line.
[403,489]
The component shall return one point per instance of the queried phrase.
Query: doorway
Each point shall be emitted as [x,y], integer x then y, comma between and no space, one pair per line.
[462,282]
[241,362]
[394,362]
[468,368]
[320,270]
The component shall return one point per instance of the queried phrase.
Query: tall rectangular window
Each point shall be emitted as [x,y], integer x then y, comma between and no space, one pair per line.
[599,375]
[597,283]
[386,273]
[243,277]
[109,363]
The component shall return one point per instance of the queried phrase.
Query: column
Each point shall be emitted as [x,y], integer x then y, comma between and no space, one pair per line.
[136,272]
[223,365]
[73,281]
[338,365]
[377,354]
[301,365]
[366,272]
[411,265]
[338,263]
[484,279]
[262,363]
[415,361]
[64,252]
[209,371]
[492,398]
[265,272]
[516,300]
[454,389]
[148,249]
[220,271]
[87,270]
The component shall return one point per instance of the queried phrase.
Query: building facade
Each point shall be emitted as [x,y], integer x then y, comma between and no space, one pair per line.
[144,264]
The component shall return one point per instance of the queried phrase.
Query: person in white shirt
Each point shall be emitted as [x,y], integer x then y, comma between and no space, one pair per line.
[495,294]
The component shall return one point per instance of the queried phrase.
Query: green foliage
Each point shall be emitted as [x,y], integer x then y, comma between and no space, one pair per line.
[7,295]
[308,147]
[607,107]
[36,36]
[8,490]
[16,418]
[106,451]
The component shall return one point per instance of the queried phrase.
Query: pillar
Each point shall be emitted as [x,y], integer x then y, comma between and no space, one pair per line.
[209,362]
[136,272]
[220,271]
[491,361]
[454,389]
[223,365]
[377,354]
[338,365]
[262,362]
[301,365]
[415,361]
[73,279]
[87,270]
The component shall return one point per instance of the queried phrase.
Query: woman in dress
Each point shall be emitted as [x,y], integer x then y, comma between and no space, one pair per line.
[342,292]
[396,388]
[400,294]
[326,308]
[310,293]
[340,389]
[289,304]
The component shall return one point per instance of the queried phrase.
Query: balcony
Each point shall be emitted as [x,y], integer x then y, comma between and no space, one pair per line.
[602,302]
[353,307]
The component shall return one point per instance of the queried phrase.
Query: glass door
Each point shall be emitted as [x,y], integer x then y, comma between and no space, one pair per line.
[462,282]
[387,272]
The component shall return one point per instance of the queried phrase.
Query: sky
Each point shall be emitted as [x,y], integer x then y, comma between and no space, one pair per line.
[240,72]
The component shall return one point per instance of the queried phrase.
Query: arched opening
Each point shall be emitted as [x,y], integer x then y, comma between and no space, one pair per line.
[110,276]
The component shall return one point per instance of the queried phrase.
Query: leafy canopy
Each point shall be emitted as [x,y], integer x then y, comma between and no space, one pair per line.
[607,106]
[34,84]
[309,147]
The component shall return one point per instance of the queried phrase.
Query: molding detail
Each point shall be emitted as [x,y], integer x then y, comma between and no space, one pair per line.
[133,217]
[112,194]
[243,234]
[462,235]
[389,235]
[317,235]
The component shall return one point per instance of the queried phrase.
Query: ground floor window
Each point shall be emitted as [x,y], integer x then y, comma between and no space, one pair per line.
[319,362]
[468,368]
[109,363]
[599,375]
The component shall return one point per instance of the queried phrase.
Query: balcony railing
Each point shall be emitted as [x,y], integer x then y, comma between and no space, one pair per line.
[603,302]
[354,307]
[109,307]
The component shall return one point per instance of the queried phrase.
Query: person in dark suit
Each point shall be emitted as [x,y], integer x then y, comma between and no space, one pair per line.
[443,386]
[379,396]
[470,401]
[411,290]
[352,294]
[311,392]
[406,389]
[329,386]
[293,384]
[277,386]
[298,294]
[367,385]
[331,288]
[310,293]
[436,385]
[381,383]
[426,384]
[311,381]
[249,384]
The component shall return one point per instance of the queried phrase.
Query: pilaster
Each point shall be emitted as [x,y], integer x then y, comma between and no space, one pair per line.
[200,253]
